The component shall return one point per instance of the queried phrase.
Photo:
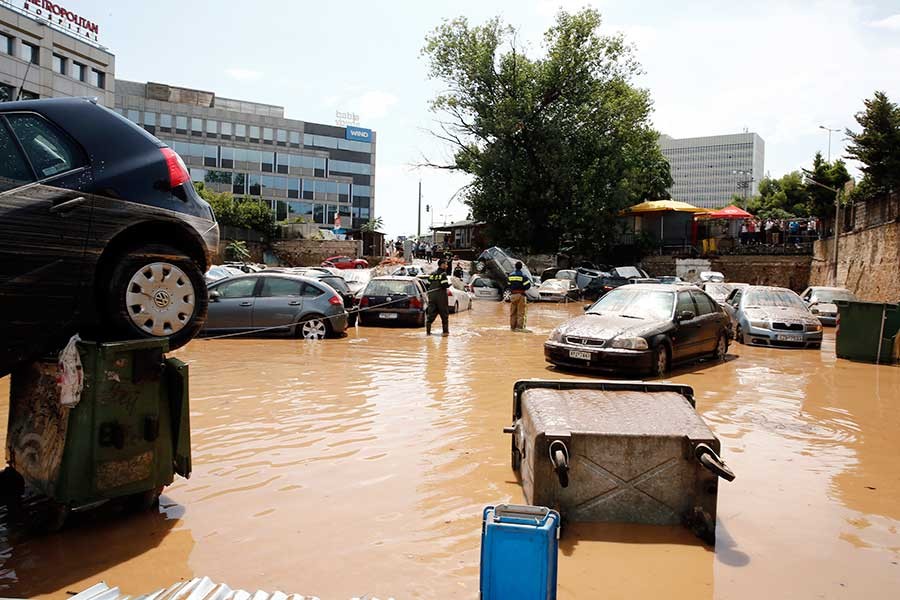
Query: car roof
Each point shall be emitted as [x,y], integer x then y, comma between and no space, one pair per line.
[281,274]
[826,287]
[394,278]
[768,287]
[652,287]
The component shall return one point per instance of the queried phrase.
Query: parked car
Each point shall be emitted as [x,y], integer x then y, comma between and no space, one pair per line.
[484,288]
[218,272]
[393,301]
[345,262]
[356,279]
[820,301]
[616,277]
[101,231]
[773,316]
[585,276]
[670,279]
[711,276]
[275,303]
[642,327]
[558,290]
[246,267]
[720,291]
[459,298]
[409,271]
[338,284]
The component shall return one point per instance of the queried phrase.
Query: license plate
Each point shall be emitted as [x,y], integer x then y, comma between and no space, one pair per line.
[579,355]
[387,315]
[786,337]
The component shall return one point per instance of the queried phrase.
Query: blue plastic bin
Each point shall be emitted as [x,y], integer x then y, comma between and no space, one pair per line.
[519,547]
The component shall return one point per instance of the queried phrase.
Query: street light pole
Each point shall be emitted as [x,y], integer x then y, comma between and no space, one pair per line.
[419,213]
[830,131]
[837,223]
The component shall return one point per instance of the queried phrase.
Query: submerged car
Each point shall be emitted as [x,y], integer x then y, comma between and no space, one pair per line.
[218,272]
[720,291]
[641,327]
[101,231]
[484,288]
[558,290]
[393,301]
[497,265]
[773,316]
[337,283]
[821,302]
[268,303]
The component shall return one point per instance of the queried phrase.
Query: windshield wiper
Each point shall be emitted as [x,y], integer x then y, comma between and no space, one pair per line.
[632,317]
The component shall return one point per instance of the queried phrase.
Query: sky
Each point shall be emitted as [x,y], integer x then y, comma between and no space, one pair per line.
[777,68]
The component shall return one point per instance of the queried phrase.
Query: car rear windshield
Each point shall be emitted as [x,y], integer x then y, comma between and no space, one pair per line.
[642,304]
[773,298]
[337,283]
[718,289]
[827,296]
[390,287]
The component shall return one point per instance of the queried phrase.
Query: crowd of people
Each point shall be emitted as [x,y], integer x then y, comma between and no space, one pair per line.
[779,231]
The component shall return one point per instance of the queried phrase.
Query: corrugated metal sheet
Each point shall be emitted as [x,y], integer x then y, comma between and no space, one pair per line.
[199,588]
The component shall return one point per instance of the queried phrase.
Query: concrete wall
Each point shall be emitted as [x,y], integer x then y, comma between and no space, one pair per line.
[784,271]
[306,253]
[868,263]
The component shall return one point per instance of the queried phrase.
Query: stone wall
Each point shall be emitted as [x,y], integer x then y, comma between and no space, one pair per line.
[784,271]
[868,263]
[307,253]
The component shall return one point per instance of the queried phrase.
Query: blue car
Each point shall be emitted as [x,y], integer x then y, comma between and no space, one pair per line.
[772,316]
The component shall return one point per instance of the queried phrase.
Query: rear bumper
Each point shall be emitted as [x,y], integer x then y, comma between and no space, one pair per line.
[606,359]
[339,323]
[405,316]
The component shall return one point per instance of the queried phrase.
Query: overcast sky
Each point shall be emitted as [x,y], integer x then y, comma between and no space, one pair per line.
[778,68]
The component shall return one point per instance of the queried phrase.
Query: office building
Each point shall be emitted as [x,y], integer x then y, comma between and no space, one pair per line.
[306,172]
[708,171]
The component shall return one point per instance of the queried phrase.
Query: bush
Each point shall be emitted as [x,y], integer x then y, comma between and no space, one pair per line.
[247,213]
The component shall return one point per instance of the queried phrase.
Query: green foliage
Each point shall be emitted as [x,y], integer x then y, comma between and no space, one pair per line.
[248,213]
[237,250]
[781,198]
[556,145]
[372,225]
[877,146]
[834,175]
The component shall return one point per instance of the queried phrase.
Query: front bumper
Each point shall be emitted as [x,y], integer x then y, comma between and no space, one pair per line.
[762,336]
[601,359]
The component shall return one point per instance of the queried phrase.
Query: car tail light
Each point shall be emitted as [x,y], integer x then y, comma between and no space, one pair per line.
[415,303]
[178,173]
[364,301]
[336,300]
[607,287]
[449,295]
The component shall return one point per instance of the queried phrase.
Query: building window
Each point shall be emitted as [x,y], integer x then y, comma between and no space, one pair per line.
[238,184]
[240,131]
[98,79]
[6,44]
[198,174]
[181,125]
[281,137]
[226,130]
[293,188]
[210,156]
[254,134]
[294,137]
[253,184]
[267,135]
[150,122]
[165,123]
[282,162]
[133,116]
[26,95]
[60,64]
[29,52]
[7,93]
[227,157]
[308,187]
[212,128]
[267,162]
[79,71]
[196,126]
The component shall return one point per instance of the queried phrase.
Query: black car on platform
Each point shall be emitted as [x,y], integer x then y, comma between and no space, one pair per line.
[641,327]
[101,231]
[393,301]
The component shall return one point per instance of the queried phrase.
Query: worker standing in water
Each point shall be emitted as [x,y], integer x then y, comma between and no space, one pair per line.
[438,303]
[518,285]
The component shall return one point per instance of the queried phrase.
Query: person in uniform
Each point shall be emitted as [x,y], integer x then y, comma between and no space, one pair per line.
[438,303]
[518,284]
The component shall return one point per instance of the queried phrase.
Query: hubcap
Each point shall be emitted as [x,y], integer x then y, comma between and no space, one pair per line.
[720,350]
[661,362]
[313,330]
[160,299]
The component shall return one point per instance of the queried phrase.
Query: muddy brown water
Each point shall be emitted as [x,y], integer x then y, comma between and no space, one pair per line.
[361,466]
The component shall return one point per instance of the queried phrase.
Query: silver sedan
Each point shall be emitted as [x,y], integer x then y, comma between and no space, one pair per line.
[772,316]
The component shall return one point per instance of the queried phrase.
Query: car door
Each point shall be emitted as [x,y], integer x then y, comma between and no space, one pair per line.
[279,302]
[231,307]
[710,323]
[44,227]
[686,338]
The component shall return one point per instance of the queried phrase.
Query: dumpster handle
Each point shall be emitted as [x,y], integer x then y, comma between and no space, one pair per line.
[709,459]
[559,457]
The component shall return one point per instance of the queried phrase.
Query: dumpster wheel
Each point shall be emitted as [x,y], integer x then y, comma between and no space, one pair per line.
[44,515]
[143,501]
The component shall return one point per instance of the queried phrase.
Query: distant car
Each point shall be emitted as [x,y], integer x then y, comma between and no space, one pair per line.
[558,290]
[720,291]
[246,267]
[459,298]
[585,276]
[643,327]
[712,276]
[409,271]
[101,231]
[275,303]
[773,316]
[393,301]
[218,272]
[345,262]
[670,279]
[356,279]
[484,288]
[820,301]
[497,264]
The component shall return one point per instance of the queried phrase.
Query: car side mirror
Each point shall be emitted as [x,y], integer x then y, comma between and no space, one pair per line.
[586,307]
[214,296]
[686,315]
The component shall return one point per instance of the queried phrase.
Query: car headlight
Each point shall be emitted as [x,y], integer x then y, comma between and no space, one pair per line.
[630,343]
[761,324]
[816,327]
[556,336]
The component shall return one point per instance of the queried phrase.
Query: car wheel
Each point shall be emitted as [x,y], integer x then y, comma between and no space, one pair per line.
[157,291]
[313,328]
[456,307]
[739,334]
[661,360]
[359,267]
[507,296]
[721,347]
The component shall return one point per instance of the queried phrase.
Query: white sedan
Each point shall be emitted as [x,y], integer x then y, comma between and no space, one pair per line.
[459,298]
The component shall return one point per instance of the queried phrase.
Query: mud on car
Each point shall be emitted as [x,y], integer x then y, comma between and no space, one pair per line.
[101,231]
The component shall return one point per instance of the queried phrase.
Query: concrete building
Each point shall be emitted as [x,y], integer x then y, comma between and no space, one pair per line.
[306,172]
[43,58]
[708,171]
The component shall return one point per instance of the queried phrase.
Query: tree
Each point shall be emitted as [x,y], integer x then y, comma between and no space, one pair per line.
[877,146]
[820,201]
[245,212]
[781,198]
[557,145]
[372,225]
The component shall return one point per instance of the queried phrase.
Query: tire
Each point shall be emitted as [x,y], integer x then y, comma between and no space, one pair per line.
[739,335]
[662,360]
[313,327]
[507,295]
[455,307]
[155,291]
[143,501]
[721,348]
[359,267]
[351,318]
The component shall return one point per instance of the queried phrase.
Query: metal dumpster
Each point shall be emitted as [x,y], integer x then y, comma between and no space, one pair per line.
[617,451]
[127,436]
[867,331]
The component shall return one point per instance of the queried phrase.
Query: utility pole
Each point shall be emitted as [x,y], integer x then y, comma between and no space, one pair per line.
[830,131]
[419,213]
[837,224]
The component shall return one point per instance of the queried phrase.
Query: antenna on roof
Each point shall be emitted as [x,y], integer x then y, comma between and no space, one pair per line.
[22,86]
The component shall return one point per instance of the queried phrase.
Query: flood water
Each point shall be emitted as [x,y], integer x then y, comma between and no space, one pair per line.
[361,466]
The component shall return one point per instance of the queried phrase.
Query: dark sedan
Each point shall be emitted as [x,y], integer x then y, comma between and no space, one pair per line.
[642,327]
[393,301]
[101,231]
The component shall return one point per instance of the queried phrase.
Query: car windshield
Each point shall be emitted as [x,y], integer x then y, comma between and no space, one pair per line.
[357,275]
[555,284]
[337,283]
[784,298]
[827,296]
[636,303]
[390,287]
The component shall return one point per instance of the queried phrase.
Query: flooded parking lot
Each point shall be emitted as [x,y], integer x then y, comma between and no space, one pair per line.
[361,465]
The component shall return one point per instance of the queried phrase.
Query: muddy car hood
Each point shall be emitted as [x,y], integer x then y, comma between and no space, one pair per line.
[779,313]
[608,326]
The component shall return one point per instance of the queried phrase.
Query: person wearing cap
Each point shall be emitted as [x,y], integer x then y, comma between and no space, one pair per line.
[438,303]
[518,284]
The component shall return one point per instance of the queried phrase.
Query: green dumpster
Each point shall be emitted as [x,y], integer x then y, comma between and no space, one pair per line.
[867,331]
[126,437]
